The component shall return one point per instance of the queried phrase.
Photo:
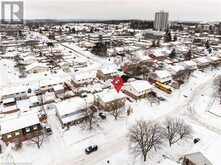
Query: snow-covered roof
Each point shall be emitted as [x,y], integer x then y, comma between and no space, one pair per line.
[173,69]
[22,121]
[34,65]
[108,70]
[162,73]
[198,158]
[12,90]
[202,61]
[140,85]
[71,106]
[84,75]
[58,87]
[110,95]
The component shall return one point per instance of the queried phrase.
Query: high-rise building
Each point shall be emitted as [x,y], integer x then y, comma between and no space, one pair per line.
[161,21]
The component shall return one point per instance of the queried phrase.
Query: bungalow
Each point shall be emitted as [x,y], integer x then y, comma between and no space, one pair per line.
[163,76]
[190,65]
[72,111]
[202,62]
[137,89]
[196,158]
[22,128]
[106,73]
[36,68]
[19,92]
[9,106]
[157,54]
[58,89]
[110,99]
[83,78]
[175,69]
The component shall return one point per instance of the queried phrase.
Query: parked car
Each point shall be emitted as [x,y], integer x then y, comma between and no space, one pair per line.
[91,149]
[196,140]
[161,98]
[48,130]
[102,116]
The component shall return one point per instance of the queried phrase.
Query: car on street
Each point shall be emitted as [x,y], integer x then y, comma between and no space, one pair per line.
[91,149]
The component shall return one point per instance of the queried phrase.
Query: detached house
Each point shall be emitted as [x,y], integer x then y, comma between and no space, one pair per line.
[83,78]
[106,73]
[110,99]
[22,128]
[72,111]
[36,68]
[162,76]
[138,89]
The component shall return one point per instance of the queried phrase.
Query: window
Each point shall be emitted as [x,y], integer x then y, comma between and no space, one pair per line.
[35,127]
[27,130]
[17,133]
[9,136]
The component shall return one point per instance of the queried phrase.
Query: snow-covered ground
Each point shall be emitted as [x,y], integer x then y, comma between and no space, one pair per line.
[191,102]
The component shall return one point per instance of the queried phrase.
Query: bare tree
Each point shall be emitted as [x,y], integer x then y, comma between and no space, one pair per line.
[144,136]
[38,139]
[116,110]
[90,119]
[184,130]
[176,129]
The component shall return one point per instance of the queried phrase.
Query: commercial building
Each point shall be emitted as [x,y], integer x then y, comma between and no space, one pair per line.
[161,21]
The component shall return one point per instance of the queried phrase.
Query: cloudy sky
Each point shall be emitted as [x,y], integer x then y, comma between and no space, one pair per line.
[200,10]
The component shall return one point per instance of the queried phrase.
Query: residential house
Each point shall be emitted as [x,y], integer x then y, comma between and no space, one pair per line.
[110,99]
[36,68]
[24,127]
[83,78]
[163,76]
[196,158]
[72,111]
[137,89]
[106,73]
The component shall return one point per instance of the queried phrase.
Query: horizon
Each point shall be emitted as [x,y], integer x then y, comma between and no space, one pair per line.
[197,10]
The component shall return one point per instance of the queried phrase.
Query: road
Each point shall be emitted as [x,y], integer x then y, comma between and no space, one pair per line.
[120,143]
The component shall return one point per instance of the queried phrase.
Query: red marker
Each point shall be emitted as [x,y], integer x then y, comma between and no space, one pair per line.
[118,82]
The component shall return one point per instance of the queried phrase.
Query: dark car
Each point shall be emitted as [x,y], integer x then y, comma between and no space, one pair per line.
[48,130]
[91,149]
[161,98]
[102,115]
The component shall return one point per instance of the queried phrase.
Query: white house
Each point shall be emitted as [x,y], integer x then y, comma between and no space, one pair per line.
[163,76]
[83,78]
[72,111]
[137,89]
[110,99]
[36,68]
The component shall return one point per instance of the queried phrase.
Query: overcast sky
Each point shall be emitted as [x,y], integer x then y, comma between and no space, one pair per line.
[201,10]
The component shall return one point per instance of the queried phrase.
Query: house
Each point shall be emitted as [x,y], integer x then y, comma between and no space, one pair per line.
[19,92]
[72,111]
[137,89]
[106,73]
[9,106]
[196,158]
[110,99]
[214,60]
[189,65]
[163,76]
[202,62]
[175,69]
[34,101]
[48,97]
[22,128]
[83,78]
[58,89]
[36,68]
[157,54]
